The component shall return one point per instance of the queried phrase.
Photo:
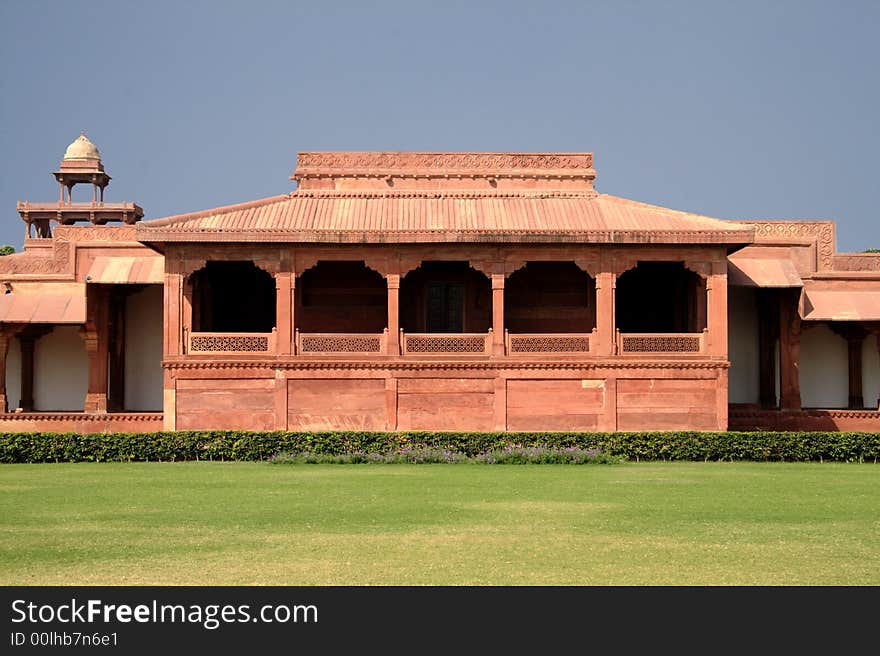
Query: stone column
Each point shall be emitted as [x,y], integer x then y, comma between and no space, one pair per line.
[393,282]
[606,283]
[284,290]
[95,334]
[497,314]
[187,323]
[789,351]
[716,309]
[855,338]
[96,350]
[173,314]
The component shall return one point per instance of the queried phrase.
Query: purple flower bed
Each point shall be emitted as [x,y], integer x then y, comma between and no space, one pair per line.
[511,455]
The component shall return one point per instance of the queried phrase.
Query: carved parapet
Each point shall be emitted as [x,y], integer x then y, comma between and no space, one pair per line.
[446,343]
[819,232]
[534,343]
[323,343]
[380,164]
[662,343]
[209,343]
[856,262]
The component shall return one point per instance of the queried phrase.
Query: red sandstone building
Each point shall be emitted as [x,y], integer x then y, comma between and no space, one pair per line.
[438,291]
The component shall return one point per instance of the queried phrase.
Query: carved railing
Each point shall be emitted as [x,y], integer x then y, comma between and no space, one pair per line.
[445,343]
[665,343]
[334,343]
[214,343]
[544,343]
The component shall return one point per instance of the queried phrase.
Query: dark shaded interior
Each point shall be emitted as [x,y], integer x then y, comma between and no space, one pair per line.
[341,297]
[550,297]
[233,297]
[445,297]
[660,297]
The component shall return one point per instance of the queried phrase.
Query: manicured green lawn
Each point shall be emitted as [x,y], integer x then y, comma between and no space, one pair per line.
[254,523]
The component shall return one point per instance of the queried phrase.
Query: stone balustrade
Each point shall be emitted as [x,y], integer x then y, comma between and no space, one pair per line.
[662,343]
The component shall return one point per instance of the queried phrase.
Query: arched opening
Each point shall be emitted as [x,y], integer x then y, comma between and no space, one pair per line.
[233,297]
[550,297]
[660,297]
[341,297]
[445,297]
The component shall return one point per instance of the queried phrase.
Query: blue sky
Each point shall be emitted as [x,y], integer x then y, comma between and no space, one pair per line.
[731,109]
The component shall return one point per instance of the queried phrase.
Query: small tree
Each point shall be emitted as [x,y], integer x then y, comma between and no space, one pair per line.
[6,249]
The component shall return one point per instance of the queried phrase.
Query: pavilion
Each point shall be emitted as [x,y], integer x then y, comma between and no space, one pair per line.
[431,291]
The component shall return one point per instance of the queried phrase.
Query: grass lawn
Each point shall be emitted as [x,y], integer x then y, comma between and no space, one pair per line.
[254,523]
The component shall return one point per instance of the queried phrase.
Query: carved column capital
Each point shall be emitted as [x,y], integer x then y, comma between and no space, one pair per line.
[283,279]
[90,339]
[606,280]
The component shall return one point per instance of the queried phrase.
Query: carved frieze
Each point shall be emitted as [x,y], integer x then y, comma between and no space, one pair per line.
[349,365]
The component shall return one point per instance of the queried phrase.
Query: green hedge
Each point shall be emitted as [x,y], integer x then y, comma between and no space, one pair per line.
[245,445]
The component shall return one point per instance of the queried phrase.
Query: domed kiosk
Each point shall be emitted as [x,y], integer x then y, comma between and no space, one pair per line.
[81,164]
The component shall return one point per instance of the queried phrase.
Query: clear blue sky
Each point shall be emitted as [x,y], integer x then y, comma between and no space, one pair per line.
[731,109]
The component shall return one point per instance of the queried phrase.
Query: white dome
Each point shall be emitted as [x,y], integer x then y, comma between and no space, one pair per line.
[82,148]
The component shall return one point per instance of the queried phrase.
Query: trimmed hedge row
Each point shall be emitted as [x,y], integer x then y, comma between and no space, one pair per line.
[246,445]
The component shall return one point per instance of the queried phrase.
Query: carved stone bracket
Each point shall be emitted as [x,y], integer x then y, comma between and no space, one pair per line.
[408,263]
[270,265]
[701,268]
[193,266]
[512,266]
[589,266]
[485,267]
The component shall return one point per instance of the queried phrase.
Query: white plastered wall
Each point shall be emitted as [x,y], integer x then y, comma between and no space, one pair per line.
[143,350]
[742,331]
[61,370]
[870,372]
[824,368]
[13,374]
